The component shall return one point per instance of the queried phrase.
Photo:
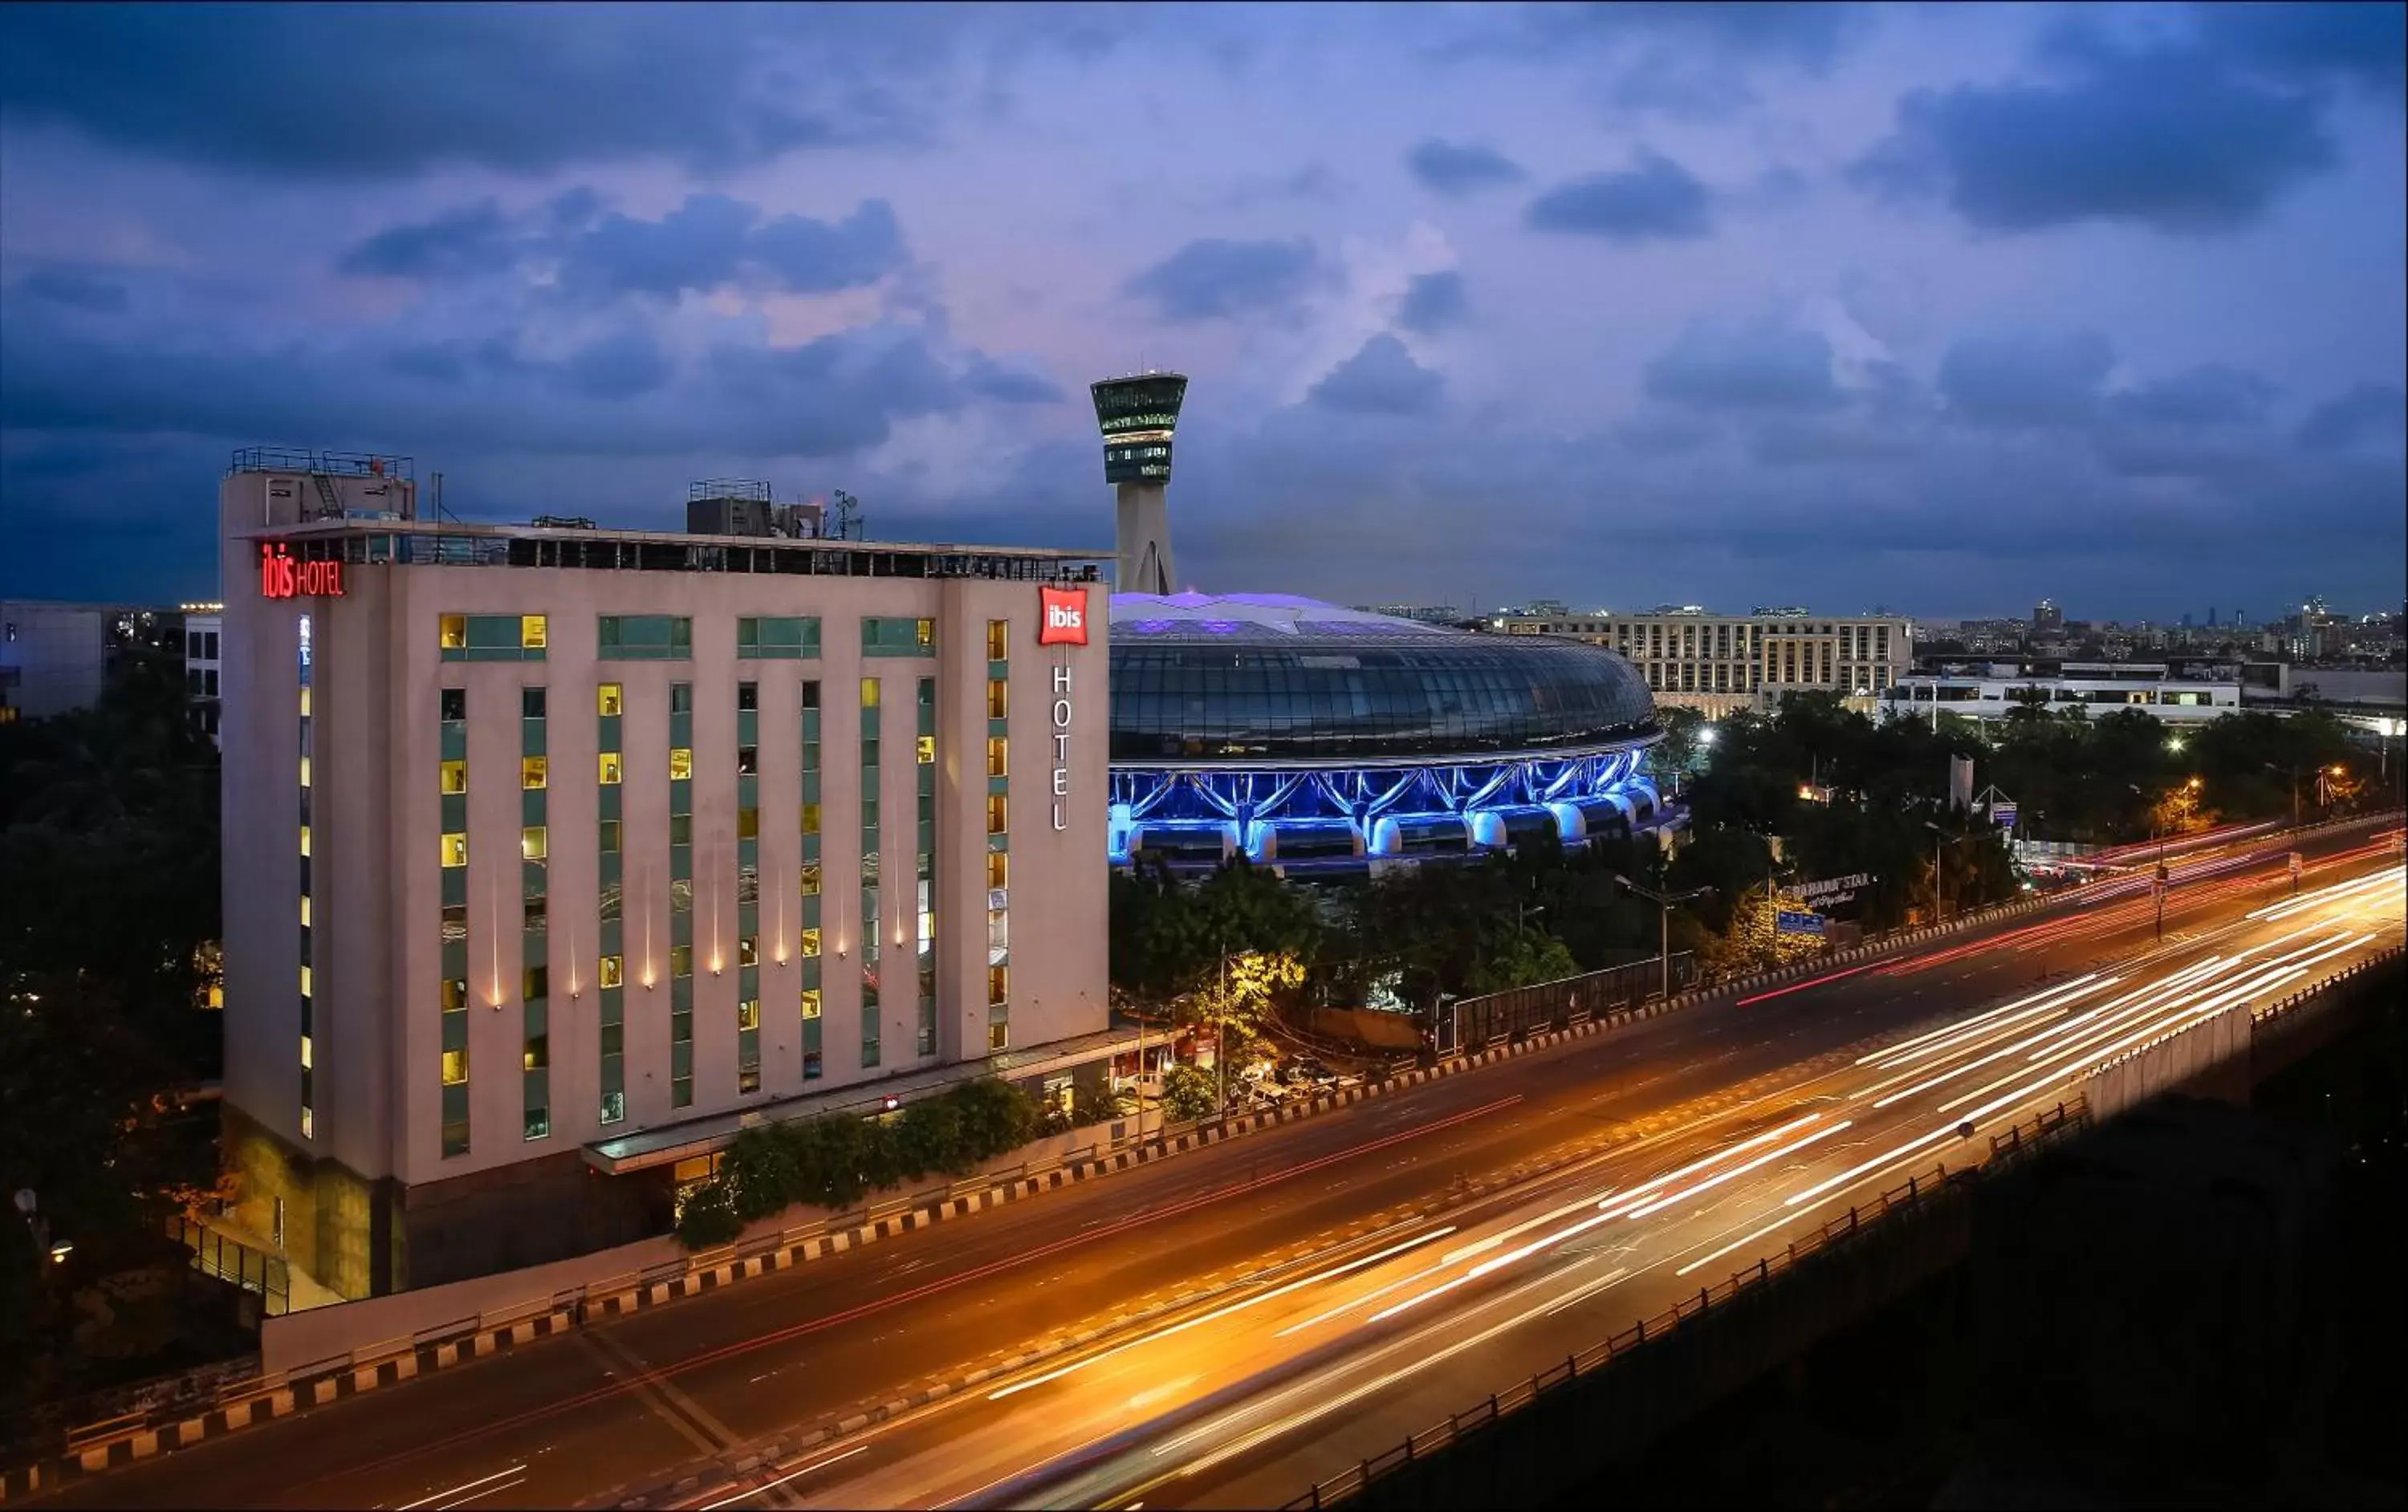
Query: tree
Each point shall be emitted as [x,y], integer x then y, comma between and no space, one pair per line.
[1237,998]
[1187,1093]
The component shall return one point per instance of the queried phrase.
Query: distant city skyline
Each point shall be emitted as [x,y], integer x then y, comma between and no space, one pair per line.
[1762,302]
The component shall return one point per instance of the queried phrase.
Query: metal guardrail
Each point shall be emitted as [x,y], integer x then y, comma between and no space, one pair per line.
[1478,1021]
[1918,1189]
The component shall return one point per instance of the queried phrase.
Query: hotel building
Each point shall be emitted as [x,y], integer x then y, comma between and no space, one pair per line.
[554,854]
[1720,663]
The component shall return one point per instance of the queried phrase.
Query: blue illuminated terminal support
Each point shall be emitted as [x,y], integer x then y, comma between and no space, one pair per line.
[1320,737]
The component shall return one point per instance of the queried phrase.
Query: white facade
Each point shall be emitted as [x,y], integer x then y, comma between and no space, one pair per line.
[438,968]
[1722,663]
[2097,692]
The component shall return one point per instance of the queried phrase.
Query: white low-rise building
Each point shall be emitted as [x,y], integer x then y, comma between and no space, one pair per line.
[1996,691]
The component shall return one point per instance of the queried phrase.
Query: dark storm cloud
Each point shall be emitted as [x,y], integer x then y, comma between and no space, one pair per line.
[707,243]
[379,91]
[2368,413]
[840,393]
[1657,198]
[1214,278]
[991,379]
[2172,139]
[1433,302]
[1760,367]
[469,242]
[2034,380]
[1381,378]
[2365,43]
[620,366]
[76,290]
[1459,168]
[2209,397]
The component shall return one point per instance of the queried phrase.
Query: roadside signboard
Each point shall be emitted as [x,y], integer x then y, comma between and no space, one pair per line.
[1787,923]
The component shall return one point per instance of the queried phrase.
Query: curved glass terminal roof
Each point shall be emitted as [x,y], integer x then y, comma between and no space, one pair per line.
[1250,678]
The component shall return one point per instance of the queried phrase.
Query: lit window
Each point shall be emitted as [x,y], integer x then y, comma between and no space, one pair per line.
[810,943]
[998,639]
[926,632]
[927,750]
[534,771]
[748,1014]
[869,693]
[998,755]
[305,981]
[304,702]
[305,1052]
[998,816]
[304,910]
[998,985]
[810,819]
[305,839]
[455,993]
[998,869]
[531,631]
[681,763]
[610,700]
[455,776]
[535,843]
[614,971]
[810,878]
[455,850]
[455,1067]
[748,823]
[811,1002]
[748,950]
[998,698]
[455,632]
[609,763]
[680,960]
[309,1124]
[304,771]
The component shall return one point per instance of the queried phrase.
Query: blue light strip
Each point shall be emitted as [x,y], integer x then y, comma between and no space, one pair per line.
[1381,812]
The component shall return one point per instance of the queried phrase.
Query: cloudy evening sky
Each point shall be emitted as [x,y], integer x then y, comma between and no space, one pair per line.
[1937,308]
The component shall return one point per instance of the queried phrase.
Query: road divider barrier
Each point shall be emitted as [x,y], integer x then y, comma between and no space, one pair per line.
[101,1446]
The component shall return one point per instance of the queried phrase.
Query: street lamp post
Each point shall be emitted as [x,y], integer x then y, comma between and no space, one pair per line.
[1940,842]
[2293,773]
[1663,902]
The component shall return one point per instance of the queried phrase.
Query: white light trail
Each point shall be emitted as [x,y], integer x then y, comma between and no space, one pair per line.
[1888,1052]
[1713,1181]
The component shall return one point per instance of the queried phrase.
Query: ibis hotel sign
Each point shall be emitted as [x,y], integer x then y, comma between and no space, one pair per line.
[282,577]
[1064,623]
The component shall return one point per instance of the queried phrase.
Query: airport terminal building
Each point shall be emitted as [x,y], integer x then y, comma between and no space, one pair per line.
[547,846]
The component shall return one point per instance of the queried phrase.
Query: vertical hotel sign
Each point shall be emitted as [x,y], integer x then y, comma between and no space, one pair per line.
[1064,623]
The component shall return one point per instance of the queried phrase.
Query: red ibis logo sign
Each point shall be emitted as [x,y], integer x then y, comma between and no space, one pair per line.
[282,577]
[1066,617]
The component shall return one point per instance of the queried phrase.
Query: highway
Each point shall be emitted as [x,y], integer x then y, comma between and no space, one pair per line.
[1341,1301]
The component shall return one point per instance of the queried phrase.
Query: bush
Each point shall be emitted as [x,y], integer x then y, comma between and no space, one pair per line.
[838,1159]
[708,1217]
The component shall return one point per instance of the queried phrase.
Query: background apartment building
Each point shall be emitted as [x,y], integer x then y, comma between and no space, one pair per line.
[1721,664]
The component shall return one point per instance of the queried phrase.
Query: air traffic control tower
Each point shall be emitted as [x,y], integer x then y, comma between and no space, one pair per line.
[1137,415]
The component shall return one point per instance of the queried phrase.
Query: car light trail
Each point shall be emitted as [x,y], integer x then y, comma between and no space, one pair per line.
[1984,1035]
[1713,1181]
[466,1485]
[1647,1190]
[791,1475]
[1889,1050]
[1799,987]
[1202,1319]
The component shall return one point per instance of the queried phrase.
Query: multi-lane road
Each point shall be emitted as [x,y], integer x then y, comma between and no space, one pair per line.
[1340,1288]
